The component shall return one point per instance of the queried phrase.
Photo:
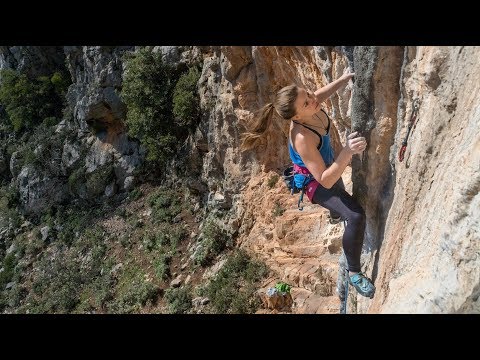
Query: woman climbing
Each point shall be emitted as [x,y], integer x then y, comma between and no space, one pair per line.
[311,153]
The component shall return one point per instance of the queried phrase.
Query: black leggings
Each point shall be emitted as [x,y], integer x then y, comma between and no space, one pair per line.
[341,203]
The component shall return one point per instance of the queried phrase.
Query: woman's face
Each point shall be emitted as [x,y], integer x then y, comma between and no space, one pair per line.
[306,104]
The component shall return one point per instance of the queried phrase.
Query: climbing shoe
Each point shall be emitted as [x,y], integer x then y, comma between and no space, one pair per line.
[363,284]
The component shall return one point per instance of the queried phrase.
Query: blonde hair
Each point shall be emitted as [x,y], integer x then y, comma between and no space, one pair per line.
[256,128]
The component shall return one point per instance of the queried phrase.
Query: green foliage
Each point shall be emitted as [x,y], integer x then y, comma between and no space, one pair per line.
[57,286]
[176,235]
[162,266]
[148,91]
[97,293]
[73,222]
[76,179]
[8,203]
[214,241]
[165,204]
[8,266]
[17,94]
[186,102]
[232,290]
[51,121]
[28,102]
[41,148]
[16,294]
[8,196]
[28,157]
[60,83]
[61,283]
[135,194]
[272,181]
[132,292]
[165,239]
[98,179]
[179,300]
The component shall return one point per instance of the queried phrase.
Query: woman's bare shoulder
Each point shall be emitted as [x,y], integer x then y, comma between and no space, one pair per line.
[302,138]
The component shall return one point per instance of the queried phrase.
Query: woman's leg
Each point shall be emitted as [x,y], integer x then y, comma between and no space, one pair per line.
[337,200]
[333,215]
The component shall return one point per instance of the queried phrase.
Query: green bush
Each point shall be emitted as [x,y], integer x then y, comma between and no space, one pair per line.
[165,204]
[179,300]
[132,292]
[135,194]
[148,92]
[28,102]
[162,266]
[99,179]
[186,102]
[76,179]
[57,286]
[177,234]
[232,290]
[8,203]
[8,266]
[74,221]
[214,241]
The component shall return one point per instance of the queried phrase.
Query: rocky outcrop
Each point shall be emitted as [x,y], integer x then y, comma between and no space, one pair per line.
[38,191]
[32,60]
[235,82]
[96,73]
[92,134]
[429,260]
[98,113]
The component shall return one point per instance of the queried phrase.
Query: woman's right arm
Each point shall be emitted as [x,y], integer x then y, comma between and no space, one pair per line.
[312,159]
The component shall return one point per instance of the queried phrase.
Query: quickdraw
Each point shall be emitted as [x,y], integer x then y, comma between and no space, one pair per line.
[300,199]
[413,119]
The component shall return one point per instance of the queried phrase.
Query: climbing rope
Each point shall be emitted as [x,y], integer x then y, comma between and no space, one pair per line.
[413,119]
[345,301]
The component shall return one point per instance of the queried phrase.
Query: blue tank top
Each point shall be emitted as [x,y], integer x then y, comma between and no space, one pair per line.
[326,151]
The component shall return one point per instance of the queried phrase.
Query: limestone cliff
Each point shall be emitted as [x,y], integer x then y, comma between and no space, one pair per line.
[422,237]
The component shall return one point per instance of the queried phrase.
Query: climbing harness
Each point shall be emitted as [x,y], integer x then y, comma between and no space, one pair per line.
[413,119]
[288,178]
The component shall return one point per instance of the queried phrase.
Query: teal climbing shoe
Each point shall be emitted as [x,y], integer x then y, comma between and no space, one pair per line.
[363,284]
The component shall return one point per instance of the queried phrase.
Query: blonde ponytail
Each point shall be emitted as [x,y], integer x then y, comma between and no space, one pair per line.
[257,127]
[284,106]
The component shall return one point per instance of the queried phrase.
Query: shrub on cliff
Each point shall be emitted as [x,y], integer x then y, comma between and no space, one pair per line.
[29,102]
[160,101]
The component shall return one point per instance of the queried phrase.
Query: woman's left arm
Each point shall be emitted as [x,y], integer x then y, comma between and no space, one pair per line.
[325,92]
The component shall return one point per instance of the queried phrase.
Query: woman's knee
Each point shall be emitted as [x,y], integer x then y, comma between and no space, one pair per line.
[357,217]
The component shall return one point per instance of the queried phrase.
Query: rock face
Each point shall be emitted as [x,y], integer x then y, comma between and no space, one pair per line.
[38,191]
[95,103]
[429,260]
[94,144]
[300,246]
[33,60]
[421,258]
